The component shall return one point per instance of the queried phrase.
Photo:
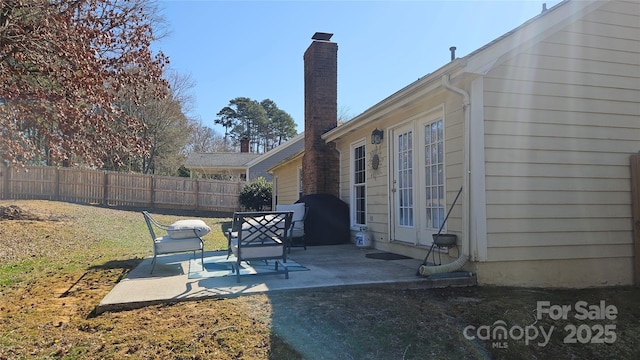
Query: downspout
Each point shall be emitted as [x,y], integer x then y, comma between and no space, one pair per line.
[466,237]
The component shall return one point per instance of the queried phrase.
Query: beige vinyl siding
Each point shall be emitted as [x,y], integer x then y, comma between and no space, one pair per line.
[378,197]
[561,119]
[376,187]
[287,181]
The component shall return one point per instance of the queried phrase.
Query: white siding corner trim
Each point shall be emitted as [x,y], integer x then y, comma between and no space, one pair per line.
[478,226]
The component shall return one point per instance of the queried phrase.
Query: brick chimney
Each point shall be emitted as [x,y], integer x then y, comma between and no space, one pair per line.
[320,162]
[244,144]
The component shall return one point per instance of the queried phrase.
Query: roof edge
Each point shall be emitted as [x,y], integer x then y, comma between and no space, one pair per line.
[479,61]
[276,149]
[422,83]
[283,162]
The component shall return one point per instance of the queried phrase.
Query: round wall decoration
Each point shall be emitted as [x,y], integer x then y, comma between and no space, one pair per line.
[375,161]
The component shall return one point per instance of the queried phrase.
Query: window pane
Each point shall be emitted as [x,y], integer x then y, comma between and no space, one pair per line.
[360,204]
[427,158]
[434,133]
[434,174]
[404,177]
[359,188]
[427,175]
[434,154]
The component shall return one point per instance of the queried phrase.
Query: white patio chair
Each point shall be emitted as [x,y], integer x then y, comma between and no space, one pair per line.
[296,231]
[182,236]
[260,236]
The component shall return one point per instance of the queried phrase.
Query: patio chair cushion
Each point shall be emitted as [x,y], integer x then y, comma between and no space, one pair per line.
[184,229]
[297,232]
[166,244]
[298,210]
[256,252]
[297,221]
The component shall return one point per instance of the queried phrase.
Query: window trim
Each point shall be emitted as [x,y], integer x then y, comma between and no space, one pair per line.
[353,186]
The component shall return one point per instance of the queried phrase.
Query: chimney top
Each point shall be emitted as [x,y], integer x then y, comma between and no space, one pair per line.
[322,36]
[244,144]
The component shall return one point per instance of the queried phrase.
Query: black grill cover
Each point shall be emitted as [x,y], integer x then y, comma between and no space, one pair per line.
[327,222]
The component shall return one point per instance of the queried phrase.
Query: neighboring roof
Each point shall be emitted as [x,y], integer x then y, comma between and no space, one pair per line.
[220,160]
[479,61]
[296,141]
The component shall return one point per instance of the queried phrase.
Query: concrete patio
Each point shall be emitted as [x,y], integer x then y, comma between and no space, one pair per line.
[329,266]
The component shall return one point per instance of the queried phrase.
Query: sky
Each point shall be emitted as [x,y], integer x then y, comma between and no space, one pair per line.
[255,49]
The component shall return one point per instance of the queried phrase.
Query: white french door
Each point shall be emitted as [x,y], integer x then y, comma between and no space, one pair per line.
[417,181]
[402,185]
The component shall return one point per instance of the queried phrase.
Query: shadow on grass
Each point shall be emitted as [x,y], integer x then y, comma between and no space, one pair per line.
[103,275]
[123,267]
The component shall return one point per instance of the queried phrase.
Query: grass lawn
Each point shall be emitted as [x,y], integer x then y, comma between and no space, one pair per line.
[56,269]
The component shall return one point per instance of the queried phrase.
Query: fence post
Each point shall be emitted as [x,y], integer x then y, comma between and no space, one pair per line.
[56,196]
[197,192]
[152,191]
[6,170]
[105,185]
[635,204]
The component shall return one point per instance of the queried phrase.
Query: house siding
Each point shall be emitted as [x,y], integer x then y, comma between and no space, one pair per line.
[287,181]
[449,107]
[561,119]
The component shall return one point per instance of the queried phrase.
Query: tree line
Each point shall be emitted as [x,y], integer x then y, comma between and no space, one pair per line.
[262,123]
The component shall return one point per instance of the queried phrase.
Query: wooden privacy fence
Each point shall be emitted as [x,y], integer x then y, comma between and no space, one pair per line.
[118,189]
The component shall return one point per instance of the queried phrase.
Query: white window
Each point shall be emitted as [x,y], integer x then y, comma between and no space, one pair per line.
[359,189]
[434,174]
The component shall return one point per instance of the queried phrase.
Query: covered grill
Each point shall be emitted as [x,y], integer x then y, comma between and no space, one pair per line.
[327,222]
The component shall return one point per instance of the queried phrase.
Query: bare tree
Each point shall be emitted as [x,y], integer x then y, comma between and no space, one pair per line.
[62,65]
[204,139]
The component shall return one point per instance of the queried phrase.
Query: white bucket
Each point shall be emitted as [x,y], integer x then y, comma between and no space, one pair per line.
[363,239]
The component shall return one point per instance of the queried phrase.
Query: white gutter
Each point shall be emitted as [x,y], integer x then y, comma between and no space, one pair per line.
[466,238]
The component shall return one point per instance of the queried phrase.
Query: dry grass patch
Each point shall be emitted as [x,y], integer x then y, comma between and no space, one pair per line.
[56,268]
